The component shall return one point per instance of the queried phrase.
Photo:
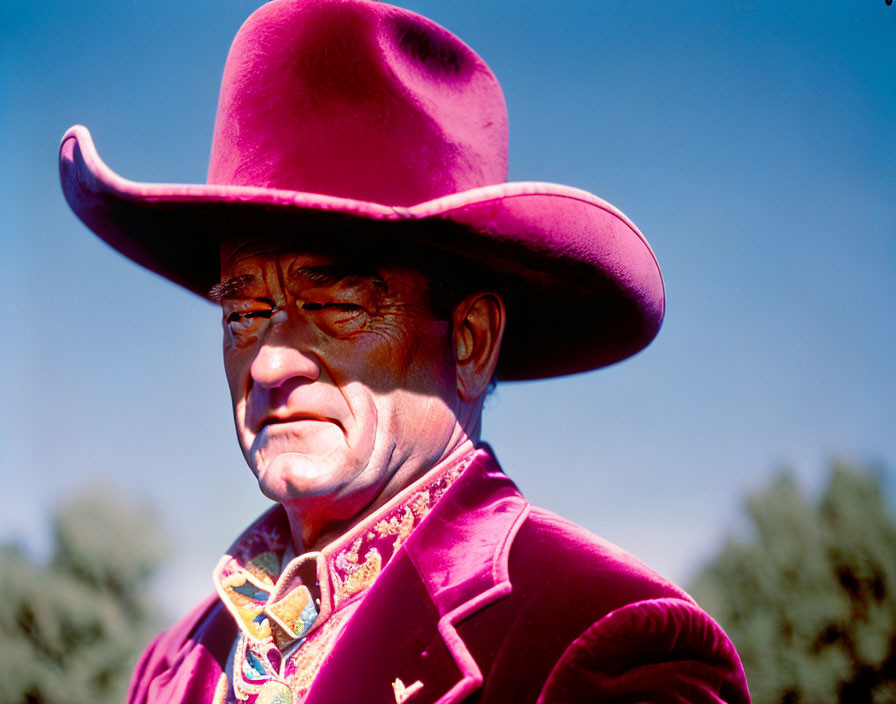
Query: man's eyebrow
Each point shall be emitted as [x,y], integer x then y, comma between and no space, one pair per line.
[229,288]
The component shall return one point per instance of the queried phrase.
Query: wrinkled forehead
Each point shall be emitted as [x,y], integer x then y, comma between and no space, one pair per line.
[244,254]
[239,247]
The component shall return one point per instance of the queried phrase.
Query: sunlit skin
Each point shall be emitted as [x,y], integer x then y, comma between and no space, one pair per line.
[345,387]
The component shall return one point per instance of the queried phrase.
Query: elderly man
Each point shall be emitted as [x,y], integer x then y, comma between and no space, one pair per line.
[376,272]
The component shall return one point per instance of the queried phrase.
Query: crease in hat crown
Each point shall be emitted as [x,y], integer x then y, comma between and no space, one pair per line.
[359,100]
[351,115]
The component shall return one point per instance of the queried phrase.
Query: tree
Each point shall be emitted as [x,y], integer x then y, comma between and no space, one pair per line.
[809,600]
[71,628]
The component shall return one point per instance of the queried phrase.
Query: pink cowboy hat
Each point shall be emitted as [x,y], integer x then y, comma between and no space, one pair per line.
[355,116]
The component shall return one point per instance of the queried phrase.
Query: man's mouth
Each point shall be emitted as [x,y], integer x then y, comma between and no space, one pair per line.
[289,418]
[301,433]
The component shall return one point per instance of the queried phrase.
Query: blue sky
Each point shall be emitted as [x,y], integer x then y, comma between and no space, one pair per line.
[753,143]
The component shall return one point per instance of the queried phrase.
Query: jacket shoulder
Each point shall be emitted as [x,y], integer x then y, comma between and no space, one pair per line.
[659,650]
[583,564]
[568,587]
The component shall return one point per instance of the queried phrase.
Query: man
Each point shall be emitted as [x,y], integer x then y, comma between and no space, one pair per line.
[375,272]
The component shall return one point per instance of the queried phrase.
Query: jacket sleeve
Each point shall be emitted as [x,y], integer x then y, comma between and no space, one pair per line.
[184,664]
[657,651]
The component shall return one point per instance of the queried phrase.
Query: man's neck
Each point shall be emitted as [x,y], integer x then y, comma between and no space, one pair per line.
[314,536]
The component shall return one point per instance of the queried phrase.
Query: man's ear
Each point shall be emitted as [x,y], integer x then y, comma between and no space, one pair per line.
[478,329]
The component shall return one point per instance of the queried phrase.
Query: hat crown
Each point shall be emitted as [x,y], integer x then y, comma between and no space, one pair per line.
[359,100]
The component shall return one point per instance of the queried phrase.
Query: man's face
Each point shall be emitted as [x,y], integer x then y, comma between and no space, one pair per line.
[339,376]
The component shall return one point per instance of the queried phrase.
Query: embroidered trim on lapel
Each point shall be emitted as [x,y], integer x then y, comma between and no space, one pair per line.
[454,564]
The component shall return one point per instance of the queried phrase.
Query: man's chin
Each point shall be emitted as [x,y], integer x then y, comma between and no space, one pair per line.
[296,475]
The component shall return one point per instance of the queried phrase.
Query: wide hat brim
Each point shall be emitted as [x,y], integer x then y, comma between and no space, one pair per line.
[581,284]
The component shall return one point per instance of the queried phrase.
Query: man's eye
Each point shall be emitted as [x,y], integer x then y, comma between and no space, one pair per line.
[332,306]
[335,317]
[244,319]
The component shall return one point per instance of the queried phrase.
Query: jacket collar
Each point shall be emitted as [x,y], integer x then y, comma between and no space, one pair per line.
[402,643]
[265,586]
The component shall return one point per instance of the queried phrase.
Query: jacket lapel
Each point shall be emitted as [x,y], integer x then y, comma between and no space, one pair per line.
[402,643]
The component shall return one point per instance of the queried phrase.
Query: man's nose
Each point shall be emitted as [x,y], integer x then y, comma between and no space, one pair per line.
[280,360]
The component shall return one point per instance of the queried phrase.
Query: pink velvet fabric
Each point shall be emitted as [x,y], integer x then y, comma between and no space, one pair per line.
[490,601]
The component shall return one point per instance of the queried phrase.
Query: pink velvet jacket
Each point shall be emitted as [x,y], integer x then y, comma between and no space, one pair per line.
[489,600]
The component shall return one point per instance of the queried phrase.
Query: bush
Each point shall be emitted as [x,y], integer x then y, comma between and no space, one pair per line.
[71,628]
[809,600]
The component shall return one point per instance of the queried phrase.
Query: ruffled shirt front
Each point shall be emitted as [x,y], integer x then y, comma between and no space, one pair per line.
[286,629]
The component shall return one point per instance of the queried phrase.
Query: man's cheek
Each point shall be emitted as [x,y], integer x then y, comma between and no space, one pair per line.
[235,342]
[397,340]
[237,362]
[237,384]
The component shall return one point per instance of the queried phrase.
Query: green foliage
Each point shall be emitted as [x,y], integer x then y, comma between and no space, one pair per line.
[71,629]
[810,599]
